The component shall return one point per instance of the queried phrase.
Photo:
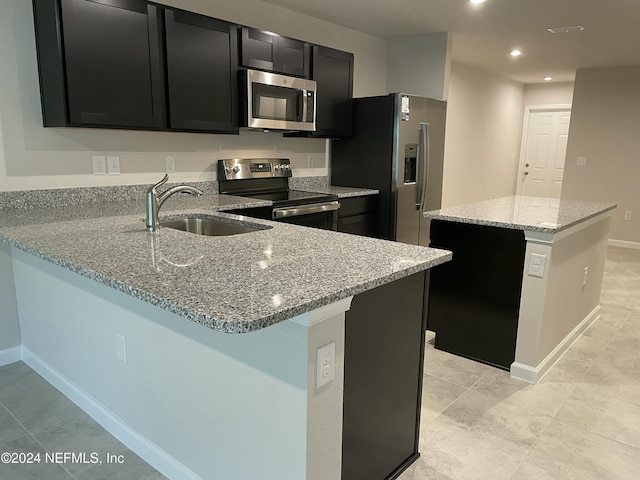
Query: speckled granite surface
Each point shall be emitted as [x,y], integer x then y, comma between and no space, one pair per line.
[344,192]
[308,183]
[321,185]
[61,197]
[233,284]
[535,214]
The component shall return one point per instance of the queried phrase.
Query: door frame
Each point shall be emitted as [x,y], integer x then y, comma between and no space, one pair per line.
[528,110]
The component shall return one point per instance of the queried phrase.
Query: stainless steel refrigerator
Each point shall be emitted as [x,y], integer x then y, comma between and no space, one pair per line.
[397,147]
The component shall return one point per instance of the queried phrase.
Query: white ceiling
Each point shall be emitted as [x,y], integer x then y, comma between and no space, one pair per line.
[483,35]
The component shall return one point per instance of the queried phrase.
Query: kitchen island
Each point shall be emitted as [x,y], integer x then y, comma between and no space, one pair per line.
[197,352]
[524,282]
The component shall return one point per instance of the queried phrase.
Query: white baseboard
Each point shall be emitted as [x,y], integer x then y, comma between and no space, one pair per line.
[10,355]
[145,449]
[623,243]
[533,374]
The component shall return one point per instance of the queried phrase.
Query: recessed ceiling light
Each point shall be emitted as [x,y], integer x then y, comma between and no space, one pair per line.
[515,53]
[568,29]
[548,78]
[477,1]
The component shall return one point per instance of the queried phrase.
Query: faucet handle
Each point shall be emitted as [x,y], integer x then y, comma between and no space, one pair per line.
[160,183]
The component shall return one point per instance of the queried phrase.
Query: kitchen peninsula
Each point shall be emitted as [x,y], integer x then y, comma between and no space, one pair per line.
[197,352]
[524,282]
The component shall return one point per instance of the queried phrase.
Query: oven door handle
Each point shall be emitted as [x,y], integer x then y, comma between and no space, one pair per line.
[283,212]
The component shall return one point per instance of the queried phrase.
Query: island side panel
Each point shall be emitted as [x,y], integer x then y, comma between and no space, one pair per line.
[9,326]
[194,402]
[474,300]
[384,351]
[557,308]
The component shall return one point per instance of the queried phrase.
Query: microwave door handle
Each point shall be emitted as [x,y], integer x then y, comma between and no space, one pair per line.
[302,106]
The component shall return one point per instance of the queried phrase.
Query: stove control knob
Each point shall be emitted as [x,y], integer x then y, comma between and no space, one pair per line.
[287,166]
[236,169]
[277,167]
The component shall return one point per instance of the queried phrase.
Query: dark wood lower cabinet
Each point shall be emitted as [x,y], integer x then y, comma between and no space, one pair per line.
[474,300]
[357,215]
[383,367]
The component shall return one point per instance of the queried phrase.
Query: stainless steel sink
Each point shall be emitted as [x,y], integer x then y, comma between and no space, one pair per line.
[210,226]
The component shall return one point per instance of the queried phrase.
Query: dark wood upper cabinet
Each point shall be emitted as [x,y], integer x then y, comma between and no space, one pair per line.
[138,65]
[264,50]
[202,64]
[333,72]
[100,63]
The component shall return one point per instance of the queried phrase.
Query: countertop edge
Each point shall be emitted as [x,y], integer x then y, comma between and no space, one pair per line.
[221,325]
[518,226]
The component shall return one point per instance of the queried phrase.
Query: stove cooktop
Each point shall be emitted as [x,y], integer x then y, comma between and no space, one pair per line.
[289,198]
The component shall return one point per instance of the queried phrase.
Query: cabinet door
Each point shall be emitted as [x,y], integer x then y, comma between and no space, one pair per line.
[357,215]
[113,63]
[201,72]
[259,49]
[269,51]
[333,72]
[293,57]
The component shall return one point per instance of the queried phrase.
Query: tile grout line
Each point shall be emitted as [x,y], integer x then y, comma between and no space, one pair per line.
[32,435]
[575,387]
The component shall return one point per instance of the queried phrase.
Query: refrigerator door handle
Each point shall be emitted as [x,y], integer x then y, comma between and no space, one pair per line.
[423,165]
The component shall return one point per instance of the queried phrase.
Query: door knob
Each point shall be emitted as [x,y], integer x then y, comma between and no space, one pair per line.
[526,164]
[526,173]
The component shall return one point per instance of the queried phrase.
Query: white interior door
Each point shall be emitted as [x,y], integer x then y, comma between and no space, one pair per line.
[544,148]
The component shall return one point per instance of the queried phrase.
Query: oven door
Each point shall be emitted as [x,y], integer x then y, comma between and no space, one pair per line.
[279,102]
[318,215]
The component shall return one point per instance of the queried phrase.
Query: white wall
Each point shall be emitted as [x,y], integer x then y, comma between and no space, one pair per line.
[484,125]
[420,65]
[560,93]
[33,157]
[605,126]
[9,327]
[193,402]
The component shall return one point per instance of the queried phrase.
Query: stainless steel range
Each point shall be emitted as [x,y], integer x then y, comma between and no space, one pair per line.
[268,179]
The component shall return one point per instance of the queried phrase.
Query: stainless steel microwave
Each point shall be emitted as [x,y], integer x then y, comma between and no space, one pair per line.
[277,102]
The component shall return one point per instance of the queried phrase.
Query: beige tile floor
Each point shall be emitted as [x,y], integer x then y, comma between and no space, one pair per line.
[582,422]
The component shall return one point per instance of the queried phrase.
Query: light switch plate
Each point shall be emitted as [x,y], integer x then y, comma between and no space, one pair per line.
[170,164]
[537,263]
[99,165]
[113,165]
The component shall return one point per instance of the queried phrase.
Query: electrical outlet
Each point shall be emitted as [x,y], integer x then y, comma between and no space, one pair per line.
[325,364]
[99,165]
[170,164]
[582,161]
[537,263]
[627,215]
[121,347]
[113,165]
[584,276]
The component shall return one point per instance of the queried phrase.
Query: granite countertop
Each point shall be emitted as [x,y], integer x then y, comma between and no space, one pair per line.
[535,214]
[345,192]
[233,284]
[321,185]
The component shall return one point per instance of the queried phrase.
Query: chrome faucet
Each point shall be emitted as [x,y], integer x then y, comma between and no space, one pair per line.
[155,200]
